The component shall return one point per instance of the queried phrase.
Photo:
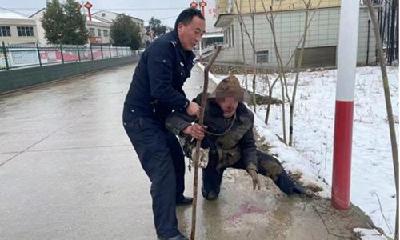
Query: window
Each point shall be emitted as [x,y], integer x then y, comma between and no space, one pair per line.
[105,33]
[99,32]
[25,31]
[5,31]
[91,32]
[262,56]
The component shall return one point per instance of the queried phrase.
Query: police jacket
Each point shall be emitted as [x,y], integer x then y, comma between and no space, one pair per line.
[229,140]
[156,87]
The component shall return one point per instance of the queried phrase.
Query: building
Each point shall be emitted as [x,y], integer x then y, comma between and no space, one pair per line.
[17,29]
[109,17]
[37,17]
[246,6]
[289,17]
[99,31]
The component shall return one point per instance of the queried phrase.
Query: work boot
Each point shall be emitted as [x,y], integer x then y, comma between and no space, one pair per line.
[177,237]
[211,195]
[183,201]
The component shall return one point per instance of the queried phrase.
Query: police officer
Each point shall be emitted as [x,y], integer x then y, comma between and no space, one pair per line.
[156,91]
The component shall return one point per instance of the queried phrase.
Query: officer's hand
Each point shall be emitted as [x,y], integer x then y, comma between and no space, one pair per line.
[254,176]
[195,130]
[193,109]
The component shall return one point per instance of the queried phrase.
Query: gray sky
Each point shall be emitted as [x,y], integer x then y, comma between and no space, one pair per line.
[165,10]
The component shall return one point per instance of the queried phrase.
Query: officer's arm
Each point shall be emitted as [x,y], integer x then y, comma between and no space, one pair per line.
[249,150]
[176,122]
[160,71]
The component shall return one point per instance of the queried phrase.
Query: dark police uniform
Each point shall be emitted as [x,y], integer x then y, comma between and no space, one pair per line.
[155,91]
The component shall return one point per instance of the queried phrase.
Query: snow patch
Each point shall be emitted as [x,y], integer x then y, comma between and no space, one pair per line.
[369,234]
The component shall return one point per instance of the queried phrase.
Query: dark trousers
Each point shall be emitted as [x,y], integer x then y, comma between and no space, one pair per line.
[267,165]
[161,157]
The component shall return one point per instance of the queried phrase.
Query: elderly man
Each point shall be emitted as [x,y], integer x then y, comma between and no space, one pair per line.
[228,135]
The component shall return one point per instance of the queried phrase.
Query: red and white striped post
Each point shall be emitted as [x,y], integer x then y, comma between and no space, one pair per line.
[347,60]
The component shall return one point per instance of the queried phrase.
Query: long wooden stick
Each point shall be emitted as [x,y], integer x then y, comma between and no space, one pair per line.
[198,143]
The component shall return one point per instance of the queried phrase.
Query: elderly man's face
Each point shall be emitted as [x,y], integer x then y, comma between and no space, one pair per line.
[228,106]
[190,34]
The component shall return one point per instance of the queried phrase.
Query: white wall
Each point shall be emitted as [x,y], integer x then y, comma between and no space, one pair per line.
[289,26]
[14,38]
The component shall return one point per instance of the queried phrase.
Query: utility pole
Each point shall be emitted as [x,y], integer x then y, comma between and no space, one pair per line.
[347,60]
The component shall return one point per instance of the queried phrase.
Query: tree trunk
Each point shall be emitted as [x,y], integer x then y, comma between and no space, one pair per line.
[281,70]
[307,23]
[271,88]
[243,26]
[389,112]
[253,97]
[392,31]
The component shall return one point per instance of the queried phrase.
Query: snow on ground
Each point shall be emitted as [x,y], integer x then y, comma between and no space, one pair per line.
[372,182]
[369,234]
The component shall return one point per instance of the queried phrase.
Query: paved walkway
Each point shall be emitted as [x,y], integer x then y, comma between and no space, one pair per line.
[68,171]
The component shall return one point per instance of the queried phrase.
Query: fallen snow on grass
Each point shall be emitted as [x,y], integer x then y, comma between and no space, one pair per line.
[369,234]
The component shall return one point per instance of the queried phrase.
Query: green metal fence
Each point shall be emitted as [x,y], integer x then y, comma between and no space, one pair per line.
[28,56]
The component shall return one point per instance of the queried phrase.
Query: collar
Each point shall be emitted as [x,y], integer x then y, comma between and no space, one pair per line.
[185,53]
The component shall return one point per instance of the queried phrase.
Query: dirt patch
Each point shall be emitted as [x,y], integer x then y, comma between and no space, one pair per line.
[260,99]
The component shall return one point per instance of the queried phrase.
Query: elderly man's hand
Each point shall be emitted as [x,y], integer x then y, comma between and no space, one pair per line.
[193,109]
[195,130]
[254,176]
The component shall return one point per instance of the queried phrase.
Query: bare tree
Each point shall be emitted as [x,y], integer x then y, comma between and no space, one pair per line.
[252,44]
[389,112]
[282,68]
[270,91]
[271,86]
[307,23]
[240,18]
[254,55]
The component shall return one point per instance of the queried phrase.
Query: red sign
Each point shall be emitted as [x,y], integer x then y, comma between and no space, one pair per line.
[88,5]
[203,4]
[193,4]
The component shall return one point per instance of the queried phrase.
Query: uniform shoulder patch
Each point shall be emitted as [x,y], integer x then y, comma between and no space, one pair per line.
[173,43]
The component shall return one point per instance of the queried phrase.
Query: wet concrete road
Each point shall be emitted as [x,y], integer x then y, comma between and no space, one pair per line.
[68,171]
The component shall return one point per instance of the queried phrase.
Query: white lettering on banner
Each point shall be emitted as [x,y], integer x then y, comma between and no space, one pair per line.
[22,57]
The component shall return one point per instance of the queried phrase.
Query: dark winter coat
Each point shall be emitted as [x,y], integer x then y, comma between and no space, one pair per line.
[228,141]
[156,87]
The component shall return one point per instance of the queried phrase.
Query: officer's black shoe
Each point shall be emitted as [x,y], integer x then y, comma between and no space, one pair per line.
[183,201]
[211,195]
[177,237]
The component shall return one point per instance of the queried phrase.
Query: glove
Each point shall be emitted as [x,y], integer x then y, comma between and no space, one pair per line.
[254,176]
